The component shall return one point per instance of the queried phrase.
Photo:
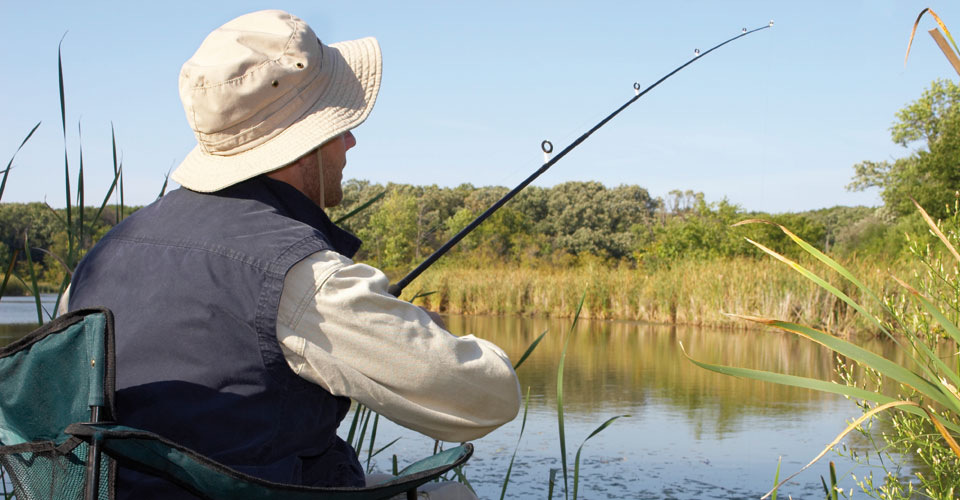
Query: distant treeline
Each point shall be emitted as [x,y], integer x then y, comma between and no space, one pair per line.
[556,226]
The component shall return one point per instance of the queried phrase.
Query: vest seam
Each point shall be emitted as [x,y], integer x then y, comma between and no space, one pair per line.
[295,253]
[219,250]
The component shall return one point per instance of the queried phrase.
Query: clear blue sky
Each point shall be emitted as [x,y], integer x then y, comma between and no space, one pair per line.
[772,122]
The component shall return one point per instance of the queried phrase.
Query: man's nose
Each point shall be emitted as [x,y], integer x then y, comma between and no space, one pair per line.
[349,140]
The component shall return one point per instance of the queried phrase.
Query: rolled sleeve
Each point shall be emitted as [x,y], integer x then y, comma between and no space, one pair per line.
[340,329]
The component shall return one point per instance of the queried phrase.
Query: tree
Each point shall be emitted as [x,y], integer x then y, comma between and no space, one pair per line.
[929,175]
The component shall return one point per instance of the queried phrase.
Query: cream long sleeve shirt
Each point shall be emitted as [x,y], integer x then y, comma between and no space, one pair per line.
[340,329]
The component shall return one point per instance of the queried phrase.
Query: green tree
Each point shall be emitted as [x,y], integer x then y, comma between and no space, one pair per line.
[391,230]
[930,175]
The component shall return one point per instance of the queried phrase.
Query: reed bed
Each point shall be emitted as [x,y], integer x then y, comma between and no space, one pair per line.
[689,293]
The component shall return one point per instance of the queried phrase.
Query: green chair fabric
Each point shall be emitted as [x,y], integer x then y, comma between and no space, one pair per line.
[51,378]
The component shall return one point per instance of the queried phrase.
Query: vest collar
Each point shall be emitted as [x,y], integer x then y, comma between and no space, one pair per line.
[292,203]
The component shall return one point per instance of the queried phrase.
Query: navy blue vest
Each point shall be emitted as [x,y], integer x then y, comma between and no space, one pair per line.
[194,282]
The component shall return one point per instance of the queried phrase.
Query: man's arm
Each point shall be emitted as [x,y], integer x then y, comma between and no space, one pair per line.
[340,329]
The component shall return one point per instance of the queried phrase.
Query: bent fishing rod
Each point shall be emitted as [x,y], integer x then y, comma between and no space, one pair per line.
[549,160]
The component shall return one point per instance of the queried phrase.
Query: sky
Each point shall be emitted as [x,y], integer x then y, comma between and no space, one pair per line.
[774,121]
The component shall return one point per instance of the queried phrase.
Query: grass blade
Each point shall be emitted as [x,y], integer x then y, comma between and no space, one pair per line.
[805,383]
[950,54]
[945,30]
[6,171]
[833,481]
[58,259]
[384,448]
[856,423]
[563,439]
[64,283]
[81,204]
[793,380]
[576,464]
[106,199]
[66,159]
[361,208]
[116,166]
[523,425]
[936,230]
[776,479]
[822,283]
[363,430]
[824,258]
[913,33]
[56,215]
[553,481]
[529,350]
[462,478]
[421,294]
[33,277]
[353,424]
[948,326]
[163,189]
[6,276]
[373,438]
[879,363]
[833,290]
[123,206]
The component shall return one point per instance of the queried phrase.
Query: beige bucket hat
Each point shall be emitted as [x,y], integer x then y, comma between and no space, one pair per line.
[262,91]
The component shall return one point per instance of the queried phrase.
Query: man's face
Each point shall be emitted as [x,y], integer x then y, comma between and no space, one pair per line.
[333,158]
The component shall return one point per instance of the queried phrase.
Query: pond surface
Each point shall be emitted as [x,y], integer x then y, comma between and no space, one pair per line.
[690,433]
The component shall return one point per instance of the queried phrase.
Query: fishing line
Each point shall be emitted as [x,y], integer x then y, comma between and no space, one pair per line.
[549,160]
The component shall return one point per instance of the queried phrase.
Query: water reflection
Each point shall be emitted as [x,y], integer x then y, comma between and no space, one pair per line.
[614,364]
[693,433]
[9,333]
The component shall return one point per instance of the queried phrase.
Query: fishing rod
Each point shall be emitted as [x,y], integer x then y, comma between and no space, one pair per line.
[549,160]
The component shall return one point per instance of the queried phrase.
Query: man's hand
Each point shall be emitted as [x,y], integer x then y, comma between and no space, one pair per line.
[435,316]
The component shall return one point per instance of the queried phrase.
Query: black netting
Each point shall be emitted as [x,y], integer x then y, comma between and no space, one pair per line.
[51,475]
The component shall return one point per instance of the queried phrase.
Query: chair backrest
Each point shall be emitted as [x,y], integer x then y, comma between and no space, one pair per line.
[48,380]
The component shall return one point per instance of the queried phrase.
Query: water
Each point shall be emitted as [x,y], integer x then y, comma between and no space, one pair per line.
[691,433]
[18,315]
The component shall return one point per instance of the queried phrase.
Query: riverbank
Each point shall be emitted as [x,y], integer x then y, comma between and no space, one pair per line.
[689,293]
[694,292]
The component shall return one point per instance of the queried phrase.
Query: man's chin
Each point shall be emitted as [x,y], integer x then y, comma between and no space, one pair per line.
[333,201]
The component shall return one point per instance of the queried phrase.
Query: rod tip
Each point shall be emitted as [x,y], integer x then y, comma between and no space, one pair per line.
[771,23]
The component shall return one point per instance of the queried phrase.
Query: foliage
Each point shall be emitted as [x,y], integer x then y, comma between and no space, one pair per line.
[909,435]
[928,175]
[927,421]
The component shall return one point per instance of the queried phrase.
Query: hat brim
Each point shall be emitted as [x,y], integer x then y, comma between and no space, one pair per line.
[345,103]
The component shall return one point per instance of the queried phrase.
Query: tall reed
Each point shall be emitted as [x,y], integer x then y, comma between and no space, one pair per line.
[929,384]
[691,292]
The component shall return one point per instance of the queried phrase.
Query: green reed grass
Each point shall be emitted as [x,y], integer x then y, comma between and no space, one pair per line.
[560,422]
[3,186]
[776,479]
[523,425]
[78,229]
[931,380]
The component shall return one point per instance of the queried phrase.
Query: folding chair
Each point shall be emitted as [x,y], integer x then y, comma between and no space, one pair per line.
[58,439]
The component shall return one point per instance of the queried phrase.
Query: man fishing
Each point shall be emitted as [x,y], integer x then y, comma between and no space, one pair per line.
[243,326]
